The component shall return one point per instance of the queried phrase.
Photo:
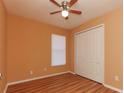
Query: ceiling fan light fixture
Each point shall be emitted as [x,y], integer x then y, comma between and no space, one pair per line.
[65,7]
[65,13]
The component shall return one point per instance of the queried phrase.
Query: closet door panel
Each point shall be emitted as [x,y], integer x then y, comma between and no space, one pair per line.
[89,52]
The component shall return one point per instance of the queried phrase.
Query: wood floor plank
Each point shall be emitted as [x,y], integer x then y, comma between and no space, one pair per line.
[66,83]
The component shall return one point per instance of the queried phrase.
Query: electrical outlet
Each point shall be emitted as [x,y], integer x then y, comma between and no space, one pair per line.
[116,78]
[0,76]
[45,69]
[31,72]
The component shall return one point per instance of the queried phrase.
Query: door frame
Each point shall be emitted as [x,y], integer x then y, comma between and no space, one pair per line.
[83,31]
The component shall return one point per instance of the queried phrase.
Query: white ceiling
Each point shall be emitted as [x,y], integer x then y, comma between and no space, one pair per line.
[39,10]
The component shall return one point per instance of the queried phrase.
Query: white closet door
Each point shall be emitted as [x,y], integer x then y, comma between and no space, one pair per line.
[89,52]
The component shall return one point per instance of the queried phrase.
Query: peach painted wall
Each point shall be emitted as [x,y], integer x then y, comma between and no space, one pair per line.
[113,45]
[29,48]
[2,47]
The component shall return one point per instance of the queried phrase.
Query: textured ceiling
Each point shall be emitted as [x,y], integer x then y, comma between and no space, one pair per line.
[39,10]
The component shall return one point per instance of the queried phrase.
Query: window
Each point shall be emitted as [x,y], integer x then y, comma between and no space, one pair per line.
[58,50]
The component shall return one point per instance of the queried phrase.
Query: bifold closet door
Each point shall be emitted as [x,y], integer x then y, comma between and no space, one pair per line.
[89,53]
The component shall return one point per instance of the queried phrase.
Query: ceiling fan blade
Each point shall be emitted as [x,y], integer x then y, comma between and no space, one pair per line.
[55,12]
[72,2]
[75,12]
[54,2]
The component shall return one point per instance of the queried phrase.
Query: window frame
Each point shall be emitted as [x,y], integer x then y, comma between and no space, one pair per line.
[52,50]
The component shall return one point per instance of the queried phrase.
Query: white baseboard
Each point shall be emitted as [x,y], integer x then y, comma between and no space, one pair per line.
[71,72]
[27,80]
[5,90]
[113,88]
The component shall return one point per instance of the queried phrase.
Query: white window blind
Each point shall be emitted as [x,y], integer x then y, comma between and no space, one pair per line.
[58,50]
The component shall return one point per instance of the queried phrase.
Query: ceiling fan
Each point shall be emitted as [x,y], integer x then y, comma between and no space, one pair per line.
[65,8]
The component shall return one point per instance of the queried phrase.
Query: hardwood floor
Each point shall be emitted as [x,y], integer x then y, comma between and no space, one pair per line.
[66,83]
